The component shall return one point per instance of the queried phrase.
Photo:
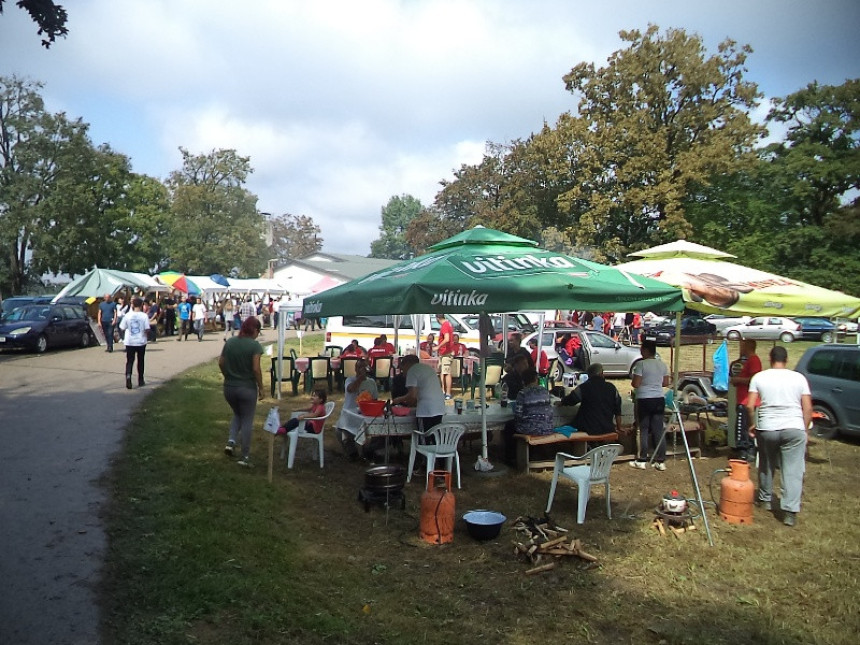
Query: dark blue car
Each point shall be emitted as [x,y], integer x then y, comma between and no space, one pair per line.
[40,326]
[814,328]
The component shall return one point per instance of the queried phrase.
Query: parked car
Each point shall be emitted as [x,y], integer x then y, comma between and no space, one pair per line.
[693,330]
[40,326]
[766,328]
[617,359]
[813,328]
[722,321]
[846,326]
[516,323]
[10,304]
[833,372]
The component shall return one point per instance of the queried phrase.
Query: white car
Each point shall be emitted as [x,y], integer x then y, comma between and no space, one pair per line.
[766,328]
[722,321]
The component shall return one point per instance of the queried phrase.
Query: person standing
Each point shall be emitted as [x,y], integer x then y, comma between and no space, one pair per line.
[107,319]
[184,310]
[198,317]
[136,327]
[243,385]
[597,323]
[446,355]
[751,367]
[650,376]
[784,414]
[540,362]
[154,314]
[169,315]
[247,309]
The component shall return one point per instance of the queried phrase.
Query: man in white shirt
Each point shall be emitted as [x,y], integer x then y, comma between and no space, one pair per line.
[348,426]
[784,414]
[424,392]
[198,318]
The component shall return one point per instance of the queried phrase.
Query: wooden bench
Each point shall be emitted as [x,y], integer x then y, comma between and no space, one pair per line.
[526,463]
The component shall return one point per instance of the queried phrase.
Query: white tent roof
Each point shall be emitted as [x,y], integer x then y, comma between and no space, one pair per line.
[259,286]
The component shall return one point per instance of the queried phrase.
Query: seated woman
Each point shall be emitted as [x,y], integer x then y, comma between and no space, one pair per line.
[533,414]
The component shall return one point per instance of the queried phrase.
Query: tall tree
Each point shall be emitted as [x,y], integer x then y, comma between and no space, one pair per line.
[215,224]
[50,17]
[37,155]
[397,214]
[294,236]
[661,118]
[820,157]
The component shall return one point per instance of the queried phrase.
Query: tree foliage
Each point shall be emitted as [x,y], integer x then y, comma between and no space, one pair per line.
[48,15]
[215,225]
[397,215]
[294,236]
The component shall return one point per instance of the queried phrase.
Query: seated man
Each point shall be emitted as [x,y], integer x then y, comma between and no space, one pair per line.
[376,351]
[459,348]
[428,347]
[513,378]
[599,404]
[347,426]
[533,414]
[515,348]
[389,347]
[353,350]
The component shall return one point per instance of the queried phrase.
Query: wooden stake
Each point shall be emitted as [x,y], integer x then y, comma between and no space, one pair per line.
[541,569]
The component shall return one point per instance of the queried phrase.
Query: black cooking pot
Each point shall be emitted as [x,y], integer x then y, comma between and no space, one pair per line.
[382,478]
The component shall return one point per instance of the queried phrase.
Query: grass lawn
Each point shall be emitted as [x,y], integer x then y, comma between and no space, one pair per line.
[203,551]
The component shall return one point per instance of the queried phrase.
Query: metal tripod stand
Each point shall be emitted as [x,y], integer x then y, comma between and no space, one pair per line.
[693,477]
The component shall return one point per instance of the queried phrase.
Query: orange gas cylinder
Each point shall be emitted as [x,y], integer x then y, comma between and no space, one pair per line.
[437,509]
[736,494]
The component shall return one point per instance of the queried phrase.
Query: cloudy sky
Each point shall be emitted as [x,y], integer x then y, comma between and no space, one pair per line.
[341,104]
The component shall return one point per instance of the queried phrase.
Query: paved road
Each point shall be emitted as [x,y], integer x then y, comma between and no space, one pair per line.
[62,418]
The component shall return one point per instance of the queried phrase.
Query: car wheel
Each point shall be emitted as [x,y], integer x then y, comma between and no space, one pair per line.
[825,425]
[86,341]
[827,337]
[41,344]
[557,372]
[733,335]
[786,337]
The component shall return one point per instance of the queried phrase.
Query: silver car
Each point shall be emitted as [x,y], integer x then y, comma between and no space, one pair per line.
[723,322]
[617,359]
[765,328]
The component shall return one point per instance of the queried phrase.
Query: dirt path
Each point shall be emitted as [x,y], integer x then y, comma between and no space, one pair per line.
[62,417]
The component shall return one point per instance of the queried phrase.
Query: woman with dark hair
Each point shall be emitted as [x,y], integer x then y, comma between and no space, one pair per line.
[650,376]
[135,326]
[243,385]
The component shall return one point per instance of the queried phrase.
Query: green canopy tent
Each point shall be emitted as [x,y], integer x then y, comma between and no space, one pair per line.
[487,271]
[98,282]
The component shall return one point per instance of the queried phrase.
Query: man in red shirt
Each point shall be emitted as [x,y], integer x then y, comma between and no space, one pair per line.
[389,347]
[376,351]
[752,366]
[541,363]
[446,352]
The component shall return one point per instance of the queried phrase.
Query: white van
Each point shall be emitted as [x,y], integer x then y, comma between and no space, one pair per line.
[341,330]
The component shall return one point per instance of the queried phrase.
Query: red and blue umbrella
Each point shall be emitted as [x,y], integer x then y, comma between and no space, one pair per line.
[180,282]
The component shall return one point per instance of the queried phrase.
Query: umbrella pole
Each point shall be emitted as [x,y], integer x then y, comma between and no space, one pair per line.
[484,451]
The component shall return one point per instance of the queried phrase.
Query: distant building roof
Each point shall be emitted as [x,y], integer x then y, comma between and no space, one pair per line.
[320,271]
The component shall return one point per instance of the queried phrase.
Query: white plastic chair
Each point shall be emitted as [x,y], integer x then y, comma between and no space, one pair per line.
[446,436]
[300,433]
[586,475]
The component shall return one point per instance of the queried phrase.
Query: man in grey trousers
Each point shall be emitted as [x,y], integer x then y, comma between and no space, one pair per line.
[784,415]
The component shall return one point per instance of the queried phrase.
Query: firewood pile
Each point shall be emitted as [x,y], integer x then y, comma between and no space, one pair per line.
[664,526]
[542,539]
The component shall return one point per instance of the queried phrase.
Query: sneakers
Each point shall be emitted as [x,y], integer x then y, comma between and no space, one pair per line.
[790,518]
[447,397]
[659,465]
[245,462]
[228,449]
[637,464]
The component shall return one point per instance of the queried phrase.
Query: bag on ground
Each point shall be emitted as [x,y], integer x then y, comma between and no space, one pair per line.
[273,421]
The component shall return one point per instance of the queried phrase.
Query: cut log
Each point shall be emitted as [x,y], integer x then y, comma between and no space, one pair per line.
[541,569]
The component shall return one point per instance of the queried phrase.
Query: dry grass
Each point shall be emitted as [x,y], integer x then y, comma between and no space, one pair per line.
[202,551]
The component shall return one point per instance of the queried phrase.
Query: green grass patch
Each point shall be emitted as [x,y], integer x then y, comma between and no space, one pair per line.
[203,551]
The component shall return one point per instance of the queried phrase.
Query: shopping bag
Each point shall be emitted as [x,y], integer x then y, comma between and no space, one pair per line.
[273,421]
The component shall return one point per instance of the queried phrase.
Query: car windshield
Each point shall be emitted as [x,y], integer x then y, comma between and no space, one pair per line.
[32,312]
